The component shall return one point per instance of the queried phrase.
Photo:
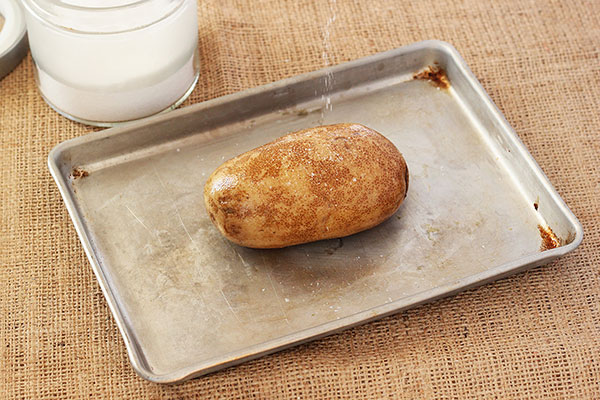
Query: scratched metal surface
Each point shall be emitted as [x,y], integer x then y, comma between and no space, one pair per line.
[189,302]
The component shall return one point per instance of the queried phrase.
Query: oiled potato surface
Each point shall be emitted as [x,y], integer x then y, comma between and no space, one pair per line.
[319,183]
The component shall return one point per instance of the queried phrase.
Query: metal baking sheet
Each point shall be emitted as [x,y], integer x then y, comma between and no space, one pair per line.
[189,302]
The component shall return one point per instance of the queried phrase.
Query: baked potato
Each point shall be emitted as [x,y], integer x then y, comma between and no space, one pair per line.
[319,183]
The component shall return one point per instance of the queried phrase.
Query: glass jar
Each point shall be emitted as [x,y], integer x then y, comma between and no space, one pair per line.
[106,61]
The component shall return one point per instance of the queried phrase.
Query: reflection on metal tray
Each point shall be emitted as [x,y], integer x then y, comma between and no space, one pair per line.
[188,302]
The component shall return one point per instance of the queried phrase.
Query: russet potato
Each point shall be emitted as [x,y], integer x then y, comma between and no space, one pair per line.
[319,183]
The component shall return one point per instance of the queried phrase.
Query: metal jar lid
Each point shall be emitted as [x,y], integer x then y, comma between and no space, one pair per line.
[13,36]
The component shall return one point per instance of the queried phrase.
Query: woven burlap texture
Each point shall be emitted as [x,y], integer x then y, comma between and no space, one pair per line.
[535,335]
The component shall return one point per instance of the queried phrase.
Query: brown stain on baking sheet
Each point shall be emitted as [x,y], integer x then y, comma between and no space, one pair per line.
[549,239]
[435,75]
[79,173]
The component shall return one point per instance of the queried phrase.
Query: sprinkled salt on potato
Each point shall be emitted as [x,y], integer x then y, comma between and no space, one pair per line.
[319,183]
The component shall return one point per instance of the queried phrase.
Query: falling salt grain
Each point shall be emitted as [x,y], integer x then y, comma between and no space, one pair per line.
[287,300]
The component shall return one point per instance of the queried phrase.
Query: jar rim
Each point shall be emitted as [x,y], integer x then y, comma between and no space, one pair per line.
[73,4]
[102,17]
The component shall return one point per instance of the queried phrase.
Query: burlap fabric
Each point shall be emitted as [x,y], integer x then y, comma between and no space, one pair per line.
[536,335]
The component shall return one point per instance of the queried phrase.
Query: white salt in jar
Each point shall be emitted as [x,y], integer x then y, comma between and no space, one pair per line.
[105,61]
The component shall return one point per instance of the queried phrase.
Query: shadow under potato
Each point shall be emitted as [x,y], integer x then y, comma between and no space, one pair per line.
[332,262]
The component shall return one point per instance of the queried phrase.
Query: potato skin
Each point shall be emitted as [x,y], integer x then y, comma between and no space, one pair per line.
[319,183]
